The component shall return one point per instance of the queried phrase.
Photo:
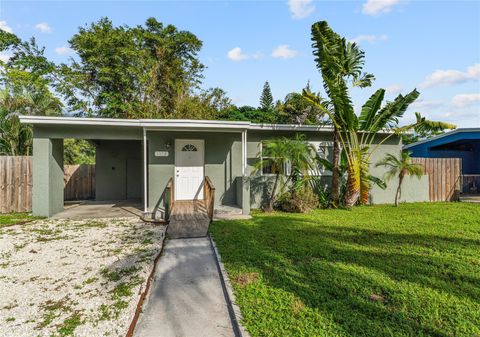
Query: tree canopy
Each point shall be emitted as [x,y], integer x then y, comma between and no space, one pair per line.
[266,98]
[130,72]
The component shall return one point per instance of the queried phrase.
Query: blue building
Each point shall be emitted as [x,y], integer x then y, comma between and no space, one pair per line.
[459,143]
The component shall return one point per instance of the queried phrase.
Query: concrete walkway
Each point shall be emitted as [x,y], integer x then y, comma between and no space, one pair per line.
[186,298]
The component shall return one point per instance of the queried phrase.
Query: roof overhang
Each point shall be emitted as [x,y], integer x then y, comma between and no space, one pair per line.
[443,135]
[170,124]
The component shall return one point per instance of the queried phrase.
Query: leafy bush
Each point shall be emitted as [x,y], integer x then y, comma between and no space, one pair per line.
[301,200]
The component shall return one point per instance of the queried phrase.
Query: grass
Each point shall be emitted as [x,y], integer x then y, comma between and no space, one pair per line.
[67,328]
[13,218]
[371,271]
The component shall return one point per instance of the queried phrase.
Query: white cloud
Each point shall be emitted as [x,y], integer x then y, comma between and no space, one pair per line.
[463,100]
[425,104]
[370,38]
[4,57]
[449,77]
[43,27]
[474,71]
[236,54]
[394,89]
[63,50]
[301,8]
[5,27]
[283,51]
[375,7]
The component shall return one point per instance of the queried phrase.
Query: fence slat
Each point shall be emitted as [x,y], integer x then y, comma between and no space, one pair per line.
[78,180]
[444,177]
[16,183]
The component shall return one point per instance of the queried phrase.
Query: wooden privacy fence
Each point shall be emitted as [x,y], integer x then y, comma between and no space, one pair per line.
[79,182]
[444,177]
[16,183]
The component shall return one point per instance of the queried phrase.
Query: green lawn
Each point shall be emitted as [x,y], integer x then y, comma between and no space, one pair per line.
[12,218]
[372,271]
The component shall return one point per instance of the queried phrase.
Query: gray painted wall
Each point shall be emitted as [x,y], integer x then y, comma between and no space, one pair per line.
[118,170]
[413,189]
[88,132]
[47,194]
[222,163]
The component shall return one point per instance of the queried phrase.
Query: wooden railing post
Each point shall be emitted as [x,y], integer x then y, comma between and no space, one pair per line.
[169,198]
[209,196]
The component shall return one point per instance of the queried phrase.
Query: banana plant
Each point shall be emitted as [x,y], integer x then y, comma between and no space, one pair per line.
[340,63]
[361,136]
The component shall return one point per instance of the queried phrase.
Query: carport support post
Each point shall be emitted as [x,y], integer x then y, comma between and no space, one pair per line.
[245,183]
[48,184]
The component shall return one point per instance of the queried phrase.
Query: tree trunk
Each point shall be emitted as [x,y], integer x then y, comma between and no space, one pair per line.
[365,184]
[353,188]
[269,207]
[365,192]
[399,189]
[336,171]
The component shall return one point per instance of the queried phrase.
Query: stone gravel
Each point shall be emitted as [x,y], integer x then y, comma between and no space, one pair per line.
[74,278]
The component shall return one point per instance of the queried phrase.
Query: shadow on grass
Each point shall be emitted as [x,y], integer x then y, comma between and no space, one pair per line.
[427,284]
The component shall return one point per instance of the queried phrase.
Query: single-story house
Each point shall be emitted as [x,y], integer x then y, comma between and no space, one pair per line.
[137,159]
[463,143]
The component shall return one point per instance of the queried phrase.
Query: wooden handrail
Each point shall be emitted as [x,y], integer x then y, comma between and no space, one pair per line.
[169,198]
[209,196]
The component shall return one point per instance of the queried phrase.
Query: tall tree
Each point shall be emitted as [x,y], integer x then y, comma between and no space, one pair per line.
[400,167]
[266,98]
[296,109]
[340,63]
[25,81]
[131,72]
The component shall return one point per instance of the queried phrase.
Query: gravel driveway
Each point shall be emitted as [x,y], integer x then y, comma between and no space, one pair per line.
[74,278]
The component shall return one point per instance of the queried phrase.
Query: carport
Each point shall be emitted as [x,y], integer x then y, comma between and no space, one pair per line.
[119,157]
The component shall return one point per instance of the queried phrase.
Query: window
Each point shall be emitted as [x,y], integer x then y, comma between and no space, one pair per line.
[324,150]
[268,170]
[189,148]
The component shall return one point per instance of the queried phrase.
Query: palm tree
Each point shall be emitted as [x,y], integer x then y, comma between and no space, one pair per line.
[340,63]
[274,155]
[400,167]
[280,152]
[16,138]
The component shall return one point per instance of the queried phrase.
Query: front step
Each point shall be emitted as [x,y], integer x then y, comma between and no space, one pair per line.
[226,212]
[189,219]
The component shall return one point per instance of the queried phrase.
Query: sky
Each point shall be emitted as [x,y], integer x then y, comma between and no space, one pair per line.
[433,46]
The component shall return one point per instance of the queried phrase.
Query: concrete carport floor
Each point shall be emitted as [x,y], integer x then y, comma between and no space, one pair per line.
[186,298]
[100,209]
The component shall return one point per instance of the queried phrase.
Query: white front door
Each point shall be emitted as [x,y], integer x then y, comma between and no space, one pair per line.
[189,169]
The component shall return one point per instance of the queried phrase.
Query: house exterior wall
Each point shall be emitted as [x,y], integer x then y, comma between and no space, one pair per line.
[47,193]
[413,189]
[118,169]
[222,163]
[87,132]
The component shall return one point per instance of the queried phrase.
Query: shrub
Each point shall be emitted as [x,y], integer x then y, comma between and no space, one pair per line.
[301,200]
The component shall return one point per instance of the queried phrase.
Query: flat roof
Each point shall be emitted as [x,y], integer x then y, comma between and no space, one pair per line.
[168,123]
[443,135]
